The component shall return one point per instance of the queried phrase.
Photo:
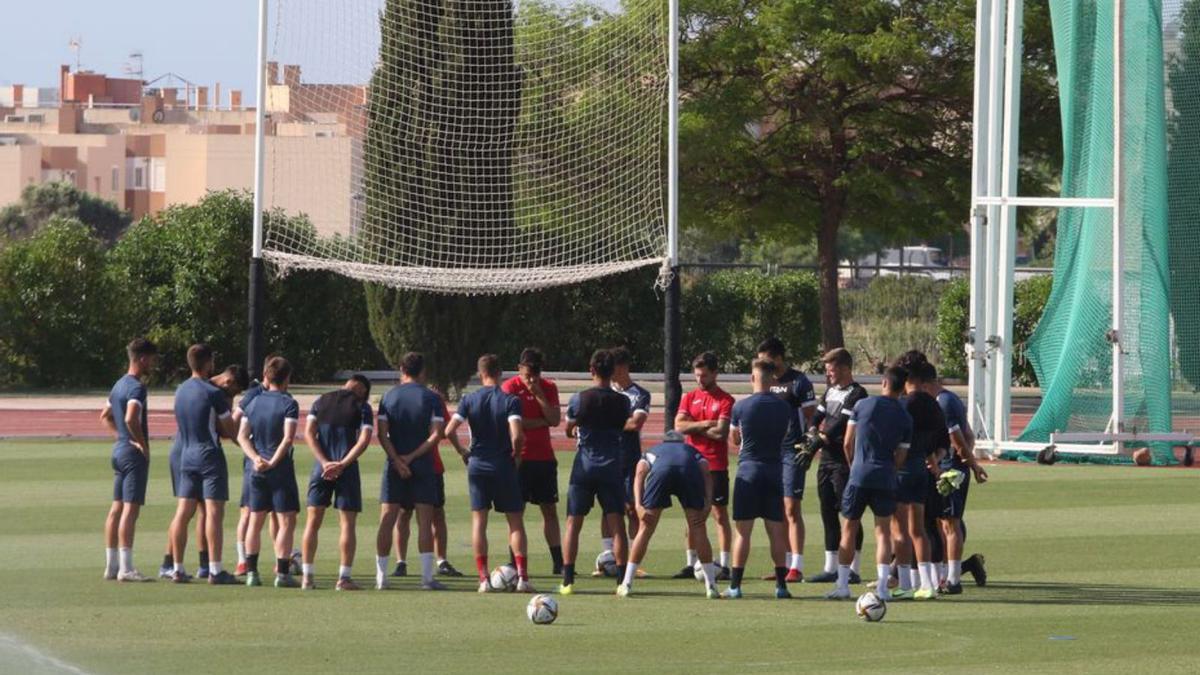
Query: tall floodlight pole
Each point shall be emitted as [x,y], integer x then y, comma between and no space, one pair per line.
[255,348]
[672,390]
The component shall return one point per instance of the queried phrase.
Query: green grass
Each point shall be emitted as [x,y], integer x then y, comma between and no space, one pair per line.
[1105,555]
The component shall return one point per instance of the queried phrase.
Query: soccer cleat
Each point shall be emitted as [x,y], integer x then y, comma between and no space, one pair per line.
[623,591]
[975,566]
[202,573]
[168,572]
[308,584]
[253,579]
[783,594]
[563,589]
[297,561]
[133,576]
[723,574]
[381,582]
[712,593]
[485,587]
[401,569]
[686,573]
[822,578]
[343,584]
[924,594]
[445,569]
[838,594]
[241,569]
[222,578]
[641,573]
[523,586]
[433,585]
[109,575]
[732,594]
[902,594]
[286,581]
[953,589]
[855,579]
[794,576]
[181,577]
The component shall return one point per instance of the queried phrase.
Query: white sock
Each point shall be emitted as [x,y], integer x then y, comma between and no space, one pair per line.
[710,574]
[630,573]
[914,579]
[179,568]
[241,551]
[831,561]
[110,559]
[343,571]
[926,572]
[943,570]
[306,569]
[935,574]
[856,564]
[954,575]
[843,580]
[787,560]
[797,562]
[126,559]
[606,543]
[692,558]
[881,588]
[426,568]
[214,568]
[441,561]
[905,576]
[381,565]
[724,558]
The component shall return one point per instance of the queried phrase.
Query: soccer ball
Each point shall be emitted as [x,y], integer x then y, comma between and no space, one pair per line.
[503,578]
[698,571]
[606,563]
[870,607]
[542,609]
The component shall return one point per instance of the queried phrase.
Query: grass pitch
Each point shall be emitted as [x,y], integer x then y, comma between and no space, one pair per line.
[1092,569]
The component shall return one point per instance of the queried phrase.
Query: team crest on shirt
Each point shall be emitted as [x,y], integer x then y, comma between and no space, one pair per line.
[716,407]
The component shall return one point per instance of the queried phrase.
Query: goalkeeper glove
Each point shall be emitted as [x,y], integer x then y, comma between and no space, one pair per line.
[950,481]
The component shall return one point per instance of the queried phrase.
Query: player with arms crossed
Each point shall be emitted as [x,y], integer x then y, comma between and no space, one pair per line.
[928,438]
[125,416]
[596,417]
[631,438]
[878,435]
[672,468]
[202,416]
[759,425]
[494,419]
[703,417]
[410,424]
[796,390]
[338,431]
[272,418]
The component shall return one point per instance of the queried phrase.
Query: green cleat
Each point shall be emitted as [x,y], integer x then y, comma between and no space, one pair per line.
[732,594]
[902,594]
[712,593]
[252,579]
[924,594]
[565,589]
[286,581]
[623,590]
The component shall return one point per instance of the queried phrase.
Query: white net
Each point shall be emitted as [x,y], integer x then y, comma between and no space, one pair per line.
[466,146]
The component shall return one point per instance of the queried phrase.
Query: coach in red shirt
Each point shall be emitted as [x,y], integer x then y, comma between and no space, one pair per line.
[703,418]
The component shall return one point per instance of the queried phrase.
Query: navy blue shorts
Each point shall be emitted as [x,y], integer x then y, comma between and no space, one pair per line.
[856,499]
[275,490]
[793,480]
[131,473]
[244,501]
[720,481]
[758,492]
[588,486]
[539,481]
[499,489]
[173,460]
[344,494]
[208,480]
[439,487]
[420,488]
[912,487]
[954,505]
[685,483]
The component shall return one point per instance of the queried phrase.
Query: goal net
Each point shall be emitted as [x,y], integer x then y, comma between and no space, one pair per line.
[467,146]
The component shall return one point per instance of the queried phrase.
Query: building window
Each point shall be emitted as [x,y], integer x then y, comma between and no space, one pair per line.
[116,178]
[139,178]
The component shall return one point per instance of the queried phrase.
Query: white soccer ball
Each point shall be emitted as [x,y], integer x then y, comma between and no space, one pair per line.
[606,562]
[698,571]
[870,607]
[542,609]
[503,578]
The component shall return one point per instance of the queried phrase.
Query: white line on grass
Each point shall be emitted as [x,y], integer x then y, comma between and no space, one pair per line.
[23,657]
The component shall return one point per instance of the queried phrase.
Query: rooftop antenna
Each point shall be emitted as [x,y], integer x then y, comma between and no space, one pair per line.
[74,45]
[133,66]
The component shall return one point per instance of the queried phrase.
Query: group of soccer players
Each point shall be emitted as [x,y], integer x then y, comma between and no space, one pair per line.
[896,453]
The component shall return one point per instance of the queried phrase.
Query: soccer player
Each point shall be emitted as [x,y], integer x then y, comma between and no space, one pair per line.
[703,417]
[202,416]
[272,418]
[954,505]
[796,390]
[672,468]
[631,437]
[538,471]
[878,435]
[338,431]
[243,523]
[911,544]
[410,424]
[759,425]
[125,415]
[596,417]
[842,393]
[497,434]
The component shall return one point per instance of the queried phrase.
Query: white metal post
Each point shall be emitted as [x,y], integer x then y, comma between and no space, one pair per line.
[1118,282]
[673,133]
[992,309]
[260,117]
[980,170]
[1005,254]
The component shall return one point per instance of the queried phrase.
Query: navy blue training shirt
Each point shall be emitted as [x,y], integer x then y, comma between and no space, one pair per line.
[410,409]
[266,415]
[198,405]
[672,455]
[881,426]
[128,388]
[763,420]
[599,415]
[340,418]
[929,429]
[956,420]
[487,411]
[639,404]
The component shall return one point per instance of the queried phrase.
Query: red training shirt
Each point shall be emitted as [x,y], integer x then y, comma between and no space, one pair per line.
[702,406]
[537,441]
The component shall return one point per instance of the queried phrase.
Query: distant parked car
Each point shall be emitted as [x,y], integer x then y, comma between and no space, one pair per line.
[921,261]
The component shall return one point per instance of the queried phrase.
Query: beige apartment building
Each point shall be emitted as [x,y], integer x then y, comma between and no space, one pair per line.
[147,149]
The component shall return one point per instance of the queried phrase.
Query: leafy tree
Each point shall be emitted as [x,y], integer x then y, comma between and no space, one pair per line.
[42,202]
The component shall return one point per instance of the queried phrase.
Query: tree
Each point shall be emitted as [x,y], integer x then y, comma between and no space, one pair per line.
[41,202]
[809,118]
